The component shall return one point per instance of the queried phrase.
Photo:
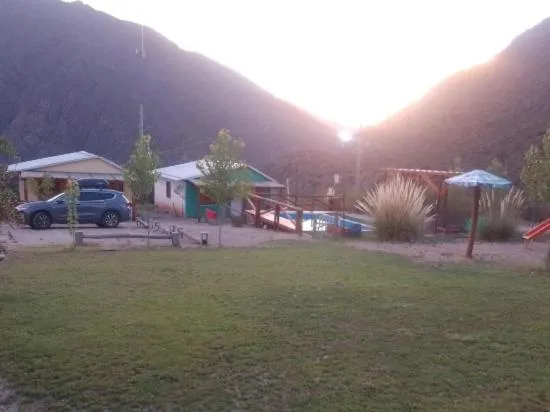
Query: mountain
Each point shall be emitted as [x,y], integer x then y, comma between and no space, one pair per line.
[497,109]
[71,79]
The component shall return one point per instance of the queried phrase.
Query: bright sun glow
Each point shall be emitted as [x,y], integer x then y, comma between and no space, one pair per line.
[351,62]
[345,135]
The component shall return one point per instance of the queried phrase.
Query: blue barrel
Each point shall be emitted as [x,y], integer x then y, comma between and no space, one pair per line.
[355,229]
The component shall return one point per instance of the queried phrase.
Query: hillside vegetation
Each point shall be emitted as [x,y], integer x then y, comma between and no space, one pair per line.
[70,79]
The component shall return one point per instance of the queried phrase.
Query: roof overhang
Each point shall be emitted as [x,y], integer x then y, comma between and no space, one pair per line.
[65,175]
[266,184]
[58,160]
[444,173]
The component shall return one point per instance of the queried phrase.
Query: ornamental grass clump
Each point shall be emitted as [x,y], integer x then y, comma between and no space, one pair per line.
[399,209]
[500,214]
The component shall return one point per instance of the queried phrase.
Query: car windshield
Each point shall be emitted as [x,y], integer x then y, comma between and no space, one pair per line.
[60,196]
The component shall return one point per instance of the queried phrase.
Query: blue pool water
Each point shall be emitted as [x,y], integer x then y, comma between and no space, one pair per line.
[322,219]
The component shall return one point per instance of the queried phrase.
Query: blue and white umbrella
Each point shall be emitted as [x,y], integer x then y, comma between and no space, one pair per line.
[477,179]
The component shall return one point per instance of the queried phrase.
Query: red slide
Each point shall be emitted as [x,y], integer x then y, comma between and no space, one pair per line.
[537,230]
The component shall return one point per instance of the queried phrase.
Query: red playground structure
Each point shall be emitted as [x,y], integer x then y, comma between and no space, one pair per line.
[536,231]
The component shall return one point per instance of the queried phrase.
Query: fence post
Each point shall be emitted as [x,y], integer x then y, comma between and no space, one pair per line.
[176,239]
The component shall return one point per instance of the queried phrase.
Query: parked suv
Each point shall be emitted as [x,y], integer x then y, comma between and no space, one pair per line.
[106,208]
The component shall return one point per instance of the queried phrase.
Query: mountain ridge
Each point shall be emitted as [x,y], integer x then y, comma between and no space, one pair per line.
[496,109]
[72,80]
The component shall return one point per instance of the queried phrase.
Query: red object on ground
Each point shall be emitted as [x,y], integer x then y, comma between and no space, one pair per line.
[210,214]
[537,230]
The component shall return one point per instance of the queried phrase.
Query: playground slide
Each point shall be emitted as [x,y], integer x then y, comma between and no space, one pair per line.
[537,230]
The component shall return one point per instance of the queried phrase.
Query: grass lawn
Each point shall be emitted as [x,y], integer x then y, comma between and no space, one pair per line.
[302,328]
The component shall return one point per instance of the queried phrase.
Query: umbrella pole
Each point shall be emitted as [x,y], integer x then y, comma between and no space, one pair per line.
[473,226]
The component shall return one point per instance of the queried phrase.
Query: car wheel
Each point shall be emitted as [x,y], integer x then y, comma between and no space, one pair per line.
[110,219]
[41,221]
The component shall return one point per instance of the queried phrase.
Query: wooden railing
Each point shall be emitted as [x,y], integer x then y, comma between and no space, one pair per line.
[276,207]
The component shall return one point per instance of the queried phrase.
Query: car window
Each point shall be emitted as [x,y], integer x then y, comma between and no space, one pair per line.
[106,196]
[60,196]
[93,183]
[89,196]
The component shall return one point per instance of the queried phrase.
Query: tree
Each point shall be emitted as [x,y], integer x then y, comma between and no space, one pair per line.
[6,148]
[140,174]
[8,197]
[43,187]
[222,169]
[72,193]
[536,171]
[497,168]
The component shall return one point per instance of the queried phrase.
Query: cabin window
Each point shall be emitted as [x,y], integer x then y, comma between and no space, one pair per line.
[168,190]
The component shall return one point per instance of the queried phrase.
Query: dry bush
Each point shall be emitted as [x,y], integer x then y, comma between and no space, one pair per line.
[500,212]
[398,207]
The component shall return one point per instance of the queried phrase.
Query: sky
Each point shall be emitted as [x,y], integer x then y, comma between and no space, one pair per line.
[351,62]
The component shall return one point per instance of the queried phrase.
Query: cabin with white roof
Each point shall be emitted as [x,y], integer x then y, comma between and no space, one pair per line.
[177,191]
[61,168]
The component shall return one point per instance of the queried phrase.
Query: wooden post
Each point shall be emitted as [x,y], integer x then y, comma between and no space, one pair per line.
[176,239]
[257,212]
[276,218]
[444,208]
[299,218]
[438,206]
[473,227]
[343,209]
[26,190]
[243,209]
[198,204]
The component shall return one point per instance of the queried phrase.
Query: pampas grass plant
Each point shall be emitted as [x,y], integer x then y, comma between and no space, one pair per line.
[500,213]
[398,207]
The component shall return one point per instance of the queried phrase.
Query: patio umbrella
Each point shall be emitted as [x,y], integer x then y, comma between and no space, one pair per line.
[477,179]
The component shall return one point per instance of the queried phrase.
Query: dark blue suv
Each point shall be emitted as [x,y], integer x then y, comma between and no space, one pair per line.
[106,208]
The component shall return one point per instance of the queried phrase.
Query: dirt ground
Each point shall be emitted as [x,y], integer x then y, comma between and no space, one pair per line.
[512,254]
[58,235]
[502,254]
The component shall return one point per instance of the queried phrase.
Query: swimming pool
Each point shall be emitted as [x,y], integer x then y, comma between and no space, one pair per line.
[318,221]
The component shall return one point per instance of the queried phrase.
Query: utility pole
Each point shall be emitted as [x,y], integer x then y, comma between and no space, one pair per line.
[141,51]
[359,152]
[141,119]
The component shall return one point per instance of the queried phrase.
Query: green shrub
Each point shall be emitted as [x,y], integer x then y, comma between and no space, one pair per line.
[500,213]
[399,209]
[496,230]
